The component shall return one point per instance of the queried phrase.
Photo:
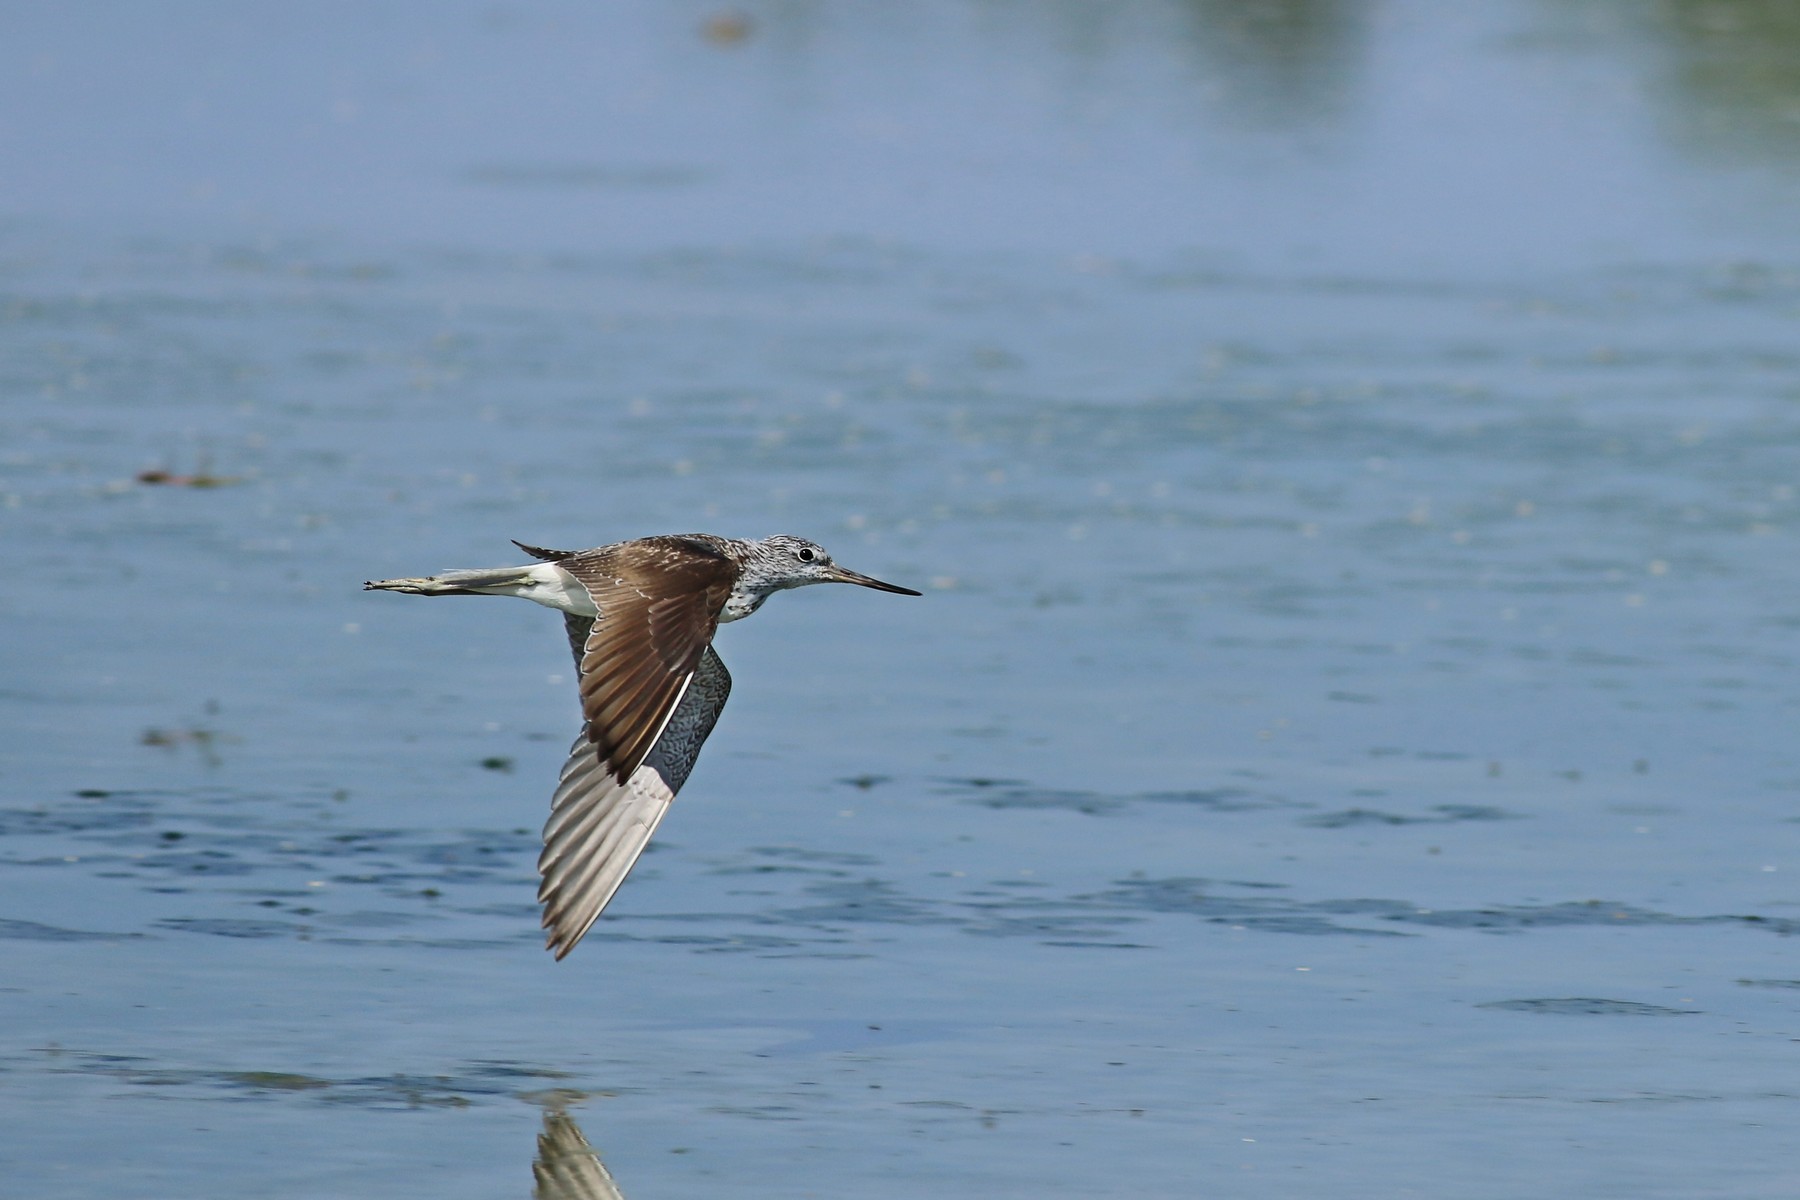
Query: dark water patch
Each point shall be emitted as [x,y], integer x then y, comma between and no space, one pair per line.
[528,932]
[1050,928]
[983,781]
[1300,924]
[1513,918]
[862,901]
[85,861]
[765,868]
[803,854]
[1009,794]
[232,927]
[341,928]
[833,909]
[520,910]
[310,878]
[474,851]
[196,862]
[475,1082]
[1791,984]
[1090,803]
[1581,1006]
[993,911]
[1217,800]
[119,812]
[376,919]
[32,931]
[1283,914]
[1440,814]
[761,944]
[1274,914]
[273,849]
[1094,945]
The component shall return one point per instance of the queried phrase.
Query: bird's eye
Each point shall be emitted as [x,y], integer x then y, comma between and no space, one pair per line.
[806,554]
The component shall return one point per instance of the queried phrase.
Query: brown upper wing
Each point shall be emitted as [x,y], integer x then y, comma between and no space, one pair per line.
[659,601]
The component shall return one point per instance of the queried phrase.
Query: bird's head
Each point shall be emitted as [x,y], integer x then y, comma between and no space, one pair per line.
[784,561]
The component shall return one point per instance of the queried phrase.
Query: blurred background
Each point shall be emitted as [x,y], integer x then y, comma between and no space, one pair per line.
[1346,743]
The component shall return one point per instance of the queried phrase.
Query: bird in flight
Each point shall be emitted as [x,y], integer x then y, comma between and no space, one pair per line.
[641,616]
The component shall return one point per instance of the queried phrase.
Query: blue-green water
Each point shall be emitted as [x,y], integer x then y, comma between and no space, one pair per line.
[1346,744]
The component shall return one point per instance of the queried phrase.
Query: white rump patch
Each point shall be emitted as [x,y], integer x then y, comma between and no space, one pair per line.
[548,584]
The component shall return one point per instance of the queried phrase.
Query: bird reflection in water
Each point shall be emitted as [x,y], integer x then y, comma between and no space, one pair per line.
[567,1167]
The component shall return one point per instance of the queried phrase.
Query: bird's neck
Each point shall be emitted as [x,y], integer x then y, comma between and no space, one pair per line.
[741,603]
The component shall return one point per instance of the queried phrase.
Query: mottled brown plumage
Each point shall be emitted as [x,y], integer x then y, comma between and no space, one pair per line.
[662,597]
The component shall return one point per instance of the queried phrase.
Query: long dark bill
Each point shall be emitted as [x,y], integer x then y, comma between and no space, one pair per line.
[844,575]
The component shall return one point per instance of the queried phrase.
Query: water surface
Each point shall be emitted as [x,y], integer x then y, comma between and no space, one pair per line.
[1346,742]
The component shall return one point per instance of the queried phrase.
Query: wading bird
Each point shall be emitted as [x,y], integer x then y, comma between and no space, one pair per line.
[641,617]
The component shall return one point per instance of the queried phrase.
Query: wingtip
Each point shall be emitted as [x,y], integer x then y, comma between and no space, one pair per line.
[556,938]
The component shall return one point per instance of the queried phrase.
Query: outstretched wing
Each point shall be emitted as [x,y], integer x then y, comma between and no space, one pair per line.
[659,601]
[598,826]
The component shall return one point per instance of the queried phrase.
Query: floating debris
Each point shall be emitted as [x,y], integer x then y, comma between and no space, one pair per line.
[727,28]
[205,741]
[202,477]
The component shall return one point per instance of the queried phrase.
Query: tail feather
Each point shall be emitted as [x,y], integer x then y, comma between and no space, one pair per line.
[543,555]
[476,582]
